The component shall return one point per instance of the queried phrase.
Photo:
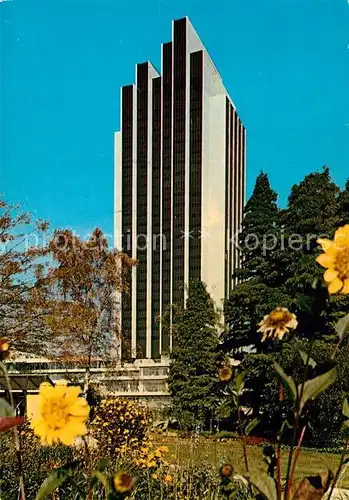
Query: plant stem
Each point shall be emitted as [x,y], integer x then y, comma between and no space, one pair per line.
[15,436]
[244,445]
[340,466]
[243,440]
[149,492]
[89,468]
[297,418]
[278,465]
[290,457]
[336,349]
[298,451]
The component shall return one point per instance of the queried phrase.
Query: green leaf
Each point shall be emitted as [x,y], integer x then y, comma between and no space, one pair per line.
[251,425]
[103,464]
[345,409]
[285,424]
[240,382]
[55,479]
[6,409]
[265,485]
[305,303]
[288,381]
[342,326]
[98,477]
[315,386]
[304,357]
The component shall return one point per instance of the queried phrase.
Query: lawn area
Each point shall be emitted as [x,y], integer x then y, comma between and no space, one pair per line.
[199,451]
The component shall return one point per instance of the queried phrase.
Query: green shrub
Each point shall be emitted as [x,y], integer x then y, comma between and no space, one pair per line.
[119,424]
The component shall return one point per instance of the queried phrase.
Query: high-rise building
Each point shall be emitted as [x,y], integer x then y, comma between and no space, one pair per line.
[179,186]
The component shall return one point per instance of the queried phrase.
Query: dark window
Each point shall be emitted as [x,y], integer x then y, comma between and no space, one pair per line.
[195,159]
[232,244]
[166,178]
[142,181]
[179,131]
[156,189]
[127,172]
[236,184]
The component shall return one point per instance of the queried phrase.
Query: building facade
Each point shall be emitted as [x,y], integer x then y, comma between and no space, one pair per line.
[179,187]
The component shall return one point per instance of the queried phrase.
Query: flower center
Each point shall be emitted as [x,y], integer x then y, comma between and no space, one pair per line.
[56,414]
[126,481]
[342,264]
[278,318]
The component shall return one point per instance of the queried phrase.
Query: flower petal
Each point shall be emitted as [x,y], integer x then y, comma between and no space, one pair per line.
[77,427]
[346,287]
[72,393]
[80,408]
[61,382]
[330,275]
[40,429]
[292,324]
[335,286]
[46,390]
[341,237]
[325,260]
[67,438]
[280,332]
[328,246]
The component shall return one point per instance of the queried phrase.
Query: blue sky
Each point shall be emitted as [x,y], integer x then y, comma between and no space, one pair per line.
[284,62]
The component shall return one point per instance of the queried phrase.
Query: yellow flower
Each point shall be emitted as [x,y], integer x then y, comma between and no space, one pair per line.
[61,414]
[4,349]
[226,470]
[168,478]
[151,464]
[336,261]
[277,323]
[4,345]
[225,373]
[164,449]
[123,482]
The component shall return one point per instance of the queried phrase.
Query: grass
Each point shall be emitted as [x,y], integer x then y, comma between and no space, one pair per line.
[200,451]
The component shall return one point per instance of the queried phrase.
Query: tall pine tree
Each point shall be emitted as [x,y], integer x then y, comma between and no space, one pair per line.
[255,295]
[344,205]
[258,229]
[193,368]
[312,212]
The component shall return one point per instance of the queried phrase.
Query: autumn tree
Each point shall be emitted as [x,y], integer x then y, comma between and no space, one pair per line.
[87,278]
[58,294]
[23,253]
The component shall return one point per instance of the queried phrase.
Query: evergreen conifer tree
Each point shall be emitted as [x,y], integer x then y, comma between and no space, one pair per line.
[344,205]
[254,295]
[258,230]
[193,368]
[312,213]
